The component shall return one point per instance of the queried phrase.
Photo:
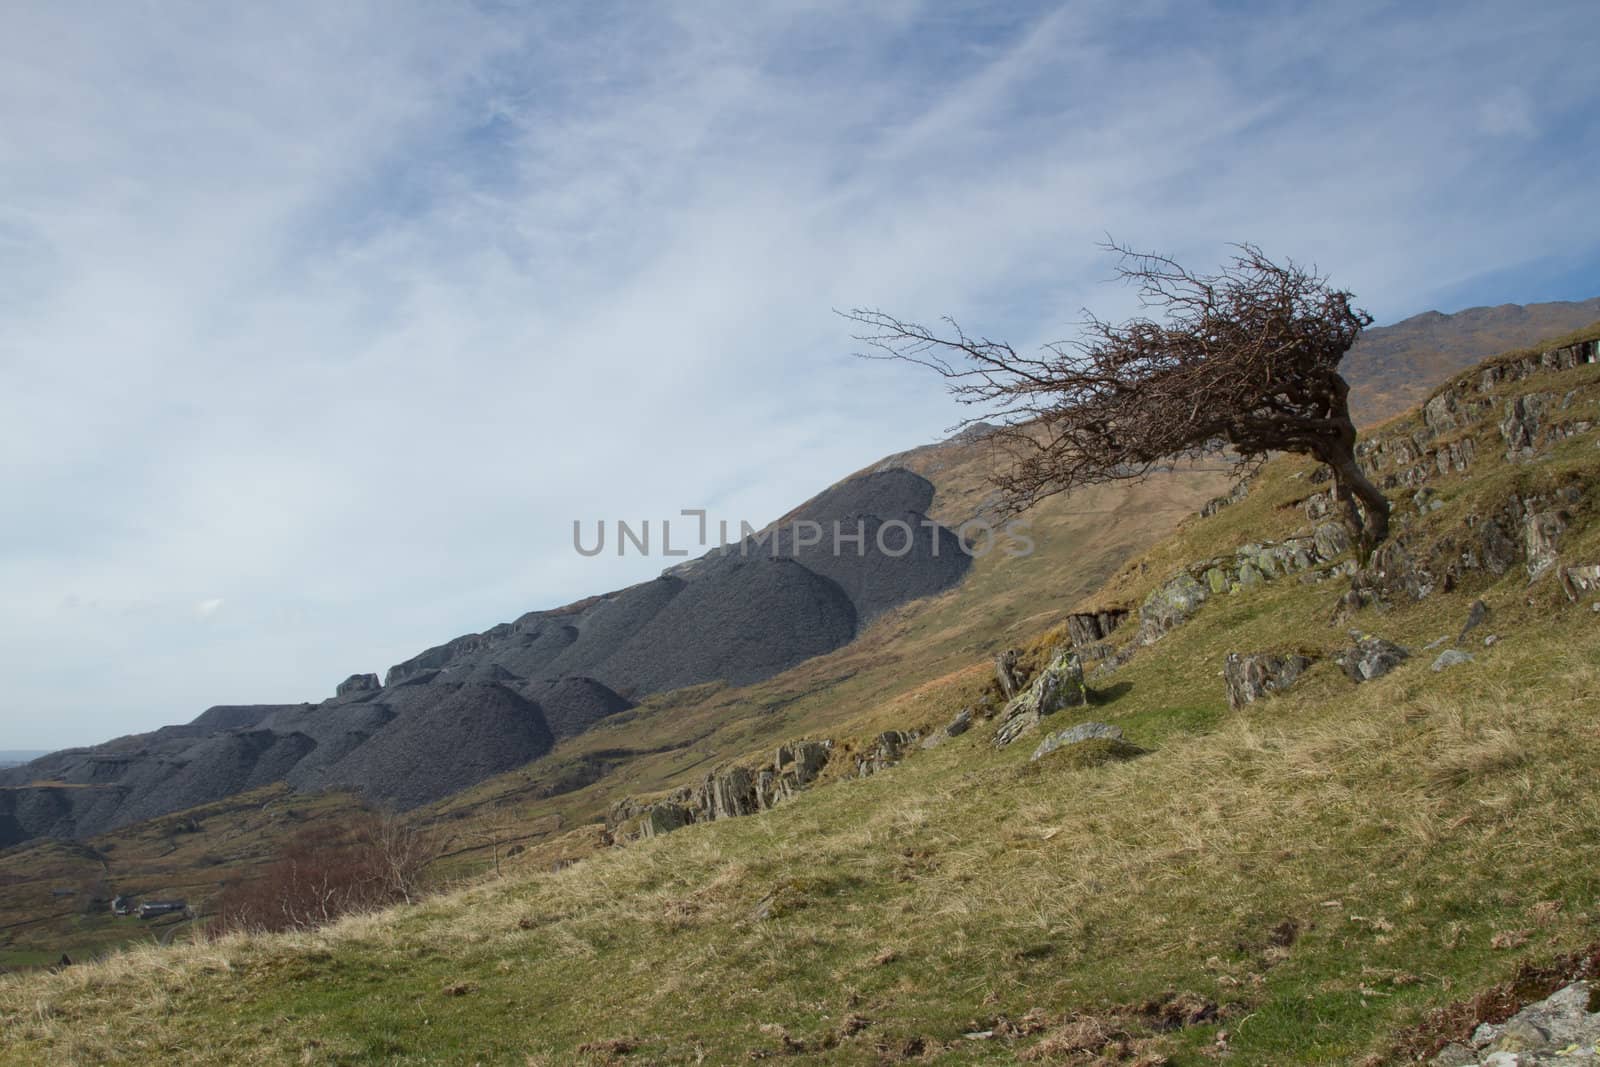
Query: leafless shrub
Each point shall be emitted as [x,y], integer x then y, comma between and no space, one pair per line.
[1245,358]
[369,862]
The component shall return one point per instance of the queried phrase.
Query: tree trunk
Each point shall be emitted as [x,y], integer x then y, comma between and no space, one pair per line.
[1353,485]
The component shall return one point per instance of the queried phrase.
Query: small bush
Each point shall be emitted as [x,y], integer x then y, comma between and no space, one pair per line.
[322,873]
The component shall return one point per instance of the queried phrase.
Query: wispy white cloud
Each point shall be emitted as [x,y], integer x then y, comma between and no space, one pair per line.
[340,315]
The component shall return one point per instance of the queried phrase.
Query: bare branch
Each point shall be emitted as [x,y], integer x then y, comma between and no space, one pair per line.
[1245,358]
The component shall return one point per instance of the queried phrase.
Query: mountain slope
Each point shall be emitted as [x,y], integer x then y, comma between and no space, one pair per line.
[738,615]
[1393,368]
[1294,880]
[722,618]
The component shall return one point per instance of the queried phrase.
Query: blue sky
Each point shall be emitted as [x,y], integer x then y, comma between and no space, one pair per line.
[319,324]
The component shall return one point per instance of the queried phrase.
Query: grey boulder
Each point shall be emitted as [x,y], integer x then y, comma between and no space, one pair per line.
[1252,677]
[1084,731]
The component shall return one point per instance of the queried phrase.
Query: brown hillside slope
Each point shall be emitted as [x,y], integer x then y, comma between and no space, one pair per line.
[1393,368]
[1291,881]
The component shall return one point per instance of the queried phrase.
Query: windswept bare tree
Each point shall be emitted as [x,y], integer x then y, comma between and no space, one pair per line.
[1246,358]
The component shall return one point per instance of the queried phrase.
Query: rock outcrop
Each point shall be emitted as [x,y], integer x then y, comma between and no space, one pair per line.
[1476,616]
[885,750]
[1371,657]
[1563,1028]
[1254,676]
[1170,606]
[1316,557]
[1238,492]
[725,794]
[1444,443]
[1578,582]
[960,724]
[1523,529]
[358,683]
[1072,735]
[1005,672]
[1088,630]
[1059,685]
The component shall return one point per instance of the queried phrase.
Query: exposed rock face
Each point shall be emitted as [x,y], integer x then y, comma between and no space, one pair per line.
[887,749]
[1084,731]
[1253,677]
[1541,540]
[1524,422]
[954,728]
[1087,630]
[1442,413]
[1560,1029]
[724,794]
[1005,672]
[1170,606]
[1389,367]
[1578,582]
[1240,490]
[358,683]
[1451,657]
[1313,558]
[1393,573]
[1523,529]
[1476,616]
[1331,540]
[1059,685]
[1371,657]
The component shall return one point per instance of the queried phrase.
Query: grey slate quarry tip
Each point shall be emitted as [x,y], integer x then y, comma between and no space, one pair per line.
[485,703]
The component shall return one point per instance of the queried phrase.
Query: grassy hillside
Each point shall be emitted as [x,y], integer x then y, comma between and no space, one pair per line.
[676,737]
[670,740]
[1297,881]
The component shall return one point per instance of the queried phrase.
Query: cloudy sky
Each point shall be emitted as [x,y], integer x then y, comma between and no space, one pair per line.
[319,324]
